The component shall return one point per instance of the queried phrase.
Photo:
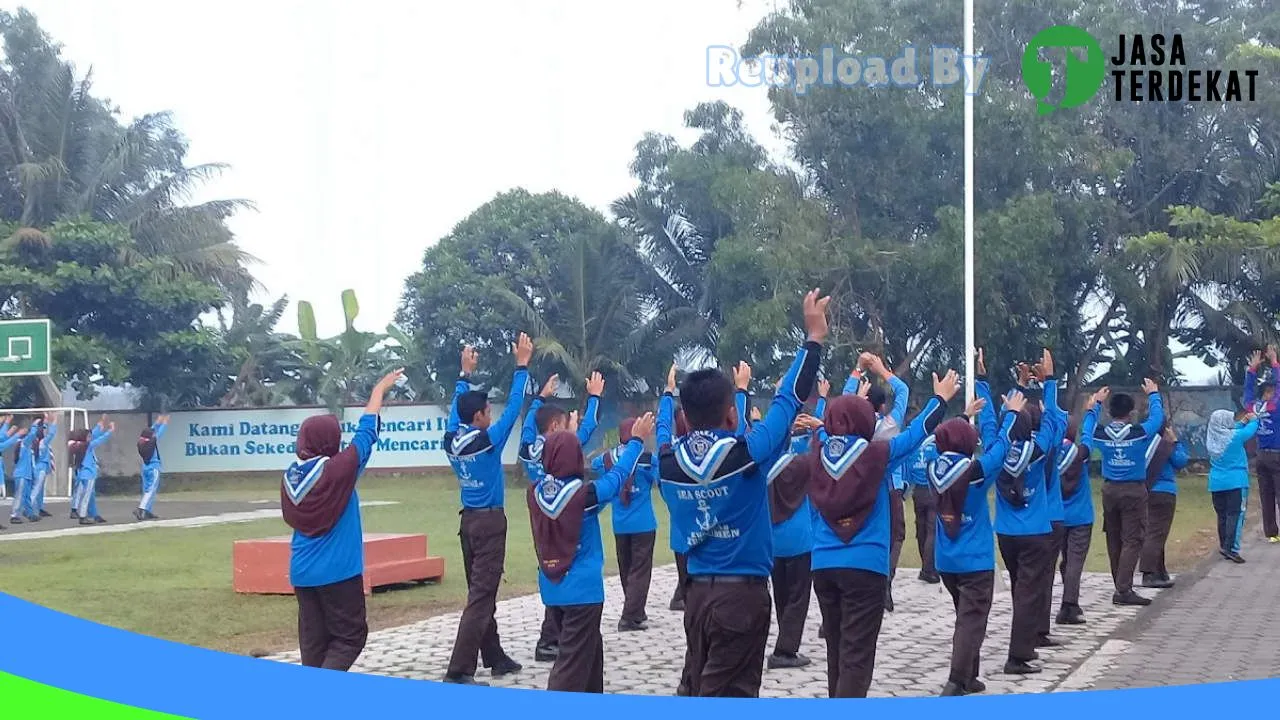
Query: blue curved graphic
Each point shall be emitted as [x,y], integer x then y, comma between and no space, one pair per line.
[105,663]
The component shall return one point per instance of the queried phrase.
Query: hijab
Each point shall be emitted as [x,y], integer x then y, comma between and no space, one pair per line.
[1077,456]
[318,486]
[1023,453]
[77,448]
[1222,426]
[847,468]
[788,484]
[558,503]
[1160,458]
[957,441]
[628,490]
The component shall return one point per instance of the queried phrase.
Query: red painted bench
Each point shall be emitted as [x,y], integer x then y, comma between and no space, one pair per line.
[261,566]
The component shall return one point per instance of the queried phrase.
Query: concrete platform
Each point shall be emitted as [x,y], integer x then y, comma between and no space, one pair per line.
[261,566]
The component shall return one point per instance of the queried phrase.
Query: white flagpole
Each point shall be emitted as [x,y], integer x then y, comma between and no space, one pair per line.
[968,64]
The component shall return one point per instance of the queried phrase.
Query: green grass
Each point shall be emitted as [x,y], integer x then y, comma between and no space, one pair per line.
[176,583]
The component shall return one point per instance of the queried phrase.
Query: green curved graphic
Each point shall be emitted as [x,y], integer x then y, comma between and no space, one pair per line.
[1081,78]
[22,698]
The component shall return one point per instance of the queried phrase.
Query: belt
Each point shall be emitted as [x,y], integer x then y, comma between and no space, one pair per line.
[729,579]
[480,510]
[1273,451]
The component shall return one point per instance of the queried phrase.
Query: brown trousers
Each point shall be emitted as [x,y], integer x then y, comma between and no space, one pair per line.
[1025,559]
[1045,616]
[852,604]
[897,530]
[1160,509]
[635,570]
[925,503]
[580,665]
[792,587]
[1075,549]
[682,578]
[1268,469]
[484,552]
[1124,520]
[552,617]
[971,594]
[332,624]
[726,624]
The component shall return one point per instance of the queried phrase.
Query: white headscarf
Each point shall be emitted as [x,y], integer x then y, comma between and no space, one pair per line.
[1222,426]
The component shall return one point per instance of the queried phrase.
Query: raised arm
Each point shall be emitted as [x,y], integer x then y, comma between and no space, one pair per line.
[1053,422]
[94,442]
[666,420]
[610,483]
[529,429]
[987,418]
[500,431]
[597,465]
[591,416]
[901,394]
[769,434]
[1090,423]
[742,403]
[993,455]
[1180,456]
[1155,408]
[366,434]
[851,385]
[1245,432]
[905,444]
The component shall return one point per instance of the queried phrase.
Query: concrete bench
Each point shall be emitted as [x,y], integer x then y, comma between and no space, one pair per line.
[261,566]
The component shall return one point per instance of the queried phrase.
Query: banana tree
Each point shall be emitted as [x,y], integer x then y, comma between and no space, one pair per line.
[340,370]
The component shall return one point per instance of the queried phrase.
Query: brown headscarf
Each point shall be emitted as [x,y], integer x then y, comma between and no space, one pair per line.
[1073,473]
[1010,487]
[789,488]
[846,502]
[1161,457]
[955,436]
[321,507]
[555,539]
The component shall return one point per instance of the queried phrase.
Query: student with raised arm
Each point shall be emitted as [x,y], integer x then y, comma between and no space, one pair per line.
[10,435]
[1072,462]
[24,471]
[43,468]
[850,490]
[541,420]
[1054,432]
[149,451]
[1023,528]
[720,505]
[1225,439]
[1262,400]
[564,512]
[1167,458]
[635,526]
[1126,451]
[966,555]
[473,442]
[670,417]
[318,500]
[86,505]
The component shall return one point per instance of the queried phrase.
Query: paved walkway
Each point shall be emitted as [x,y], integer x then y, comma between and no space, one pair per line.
[911,660]
[1219,624]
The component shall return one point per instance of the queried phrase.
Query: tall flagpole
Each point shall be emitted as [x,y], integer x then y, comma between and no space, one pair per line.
[968,64]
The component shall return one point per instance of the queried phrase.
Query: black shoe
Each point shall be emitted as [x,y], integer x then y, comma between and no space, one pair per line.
[631,626]
[1154,581]
[779,662]
[546,653]
[1020,667]
[137,514]
[1129,598]
[463,680]
[1235,558]
[1048,641]
[14,520]
[148,515]
[677,606]
[99,520]
[1070,615]
[86,521]
[1034,656]
[33,518]
[75,515]
[952,689]
[1226,554]
[975,686]
[505,666]
[822,632]
[1165,577]
[931,578]
[44,514]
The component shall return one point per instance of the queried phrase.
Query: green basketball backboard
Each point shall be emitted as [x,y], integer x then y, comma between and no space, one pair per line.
[24,347]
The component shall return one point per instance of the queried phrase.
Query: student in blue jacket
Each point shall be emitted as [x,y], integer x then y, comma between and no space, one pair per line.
[635,527]
[1072,463]
[540,421]
[1263,401]
[10,435]
[721,507]
[84,457]
[670,416]
[24,472]
[474,442]
[564,511]
[1167,458]
[1229,475]
[149,452]
[966,555]
[43,468]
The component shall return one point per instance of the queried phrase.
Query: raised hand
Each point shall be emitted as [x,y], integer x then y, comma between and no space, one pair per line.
[742,375]
[1101,395]
[671,379]
[981,369]
[975,407]
[550,386]
[470,359]
[643,427]
[815,316]
[523,350]
[1271,354]
[1149,386]
[1046,364]
[824,387]
[947,387]
[1255,360]
[864,389]
[388,380]
[876,365]
[595,384]
[1169,434]
[111,427]
[806,422]
[1024,374]
[755,415]
[572,423]
[1015,402]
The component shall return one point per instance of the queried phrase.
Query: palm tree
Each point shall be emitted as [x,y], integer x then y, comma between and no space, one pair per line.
[266,358]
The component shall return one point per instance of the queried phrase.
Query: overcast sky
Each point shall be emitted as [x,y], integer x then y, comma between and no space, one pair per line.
[365,131]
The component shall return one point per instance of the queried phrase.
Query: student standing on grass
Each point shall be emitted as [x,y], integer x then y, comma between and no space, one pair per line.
[564,512]
[149,451]
[318,500]
[10,435]
[85,503]
[1262,400]
[474,442]
[722,507]
[1168,457]
[1229,475]
[635,527]
[43,468]
[540,421]
[24,471]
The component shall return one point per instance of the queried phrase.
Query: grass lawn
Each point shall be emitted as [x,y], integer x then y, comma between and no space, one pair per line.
[176,583]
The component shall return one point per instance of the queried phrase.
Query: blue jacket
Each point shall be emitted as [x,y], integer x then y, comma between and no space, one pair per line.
[531,440]
[1268,438]
[1078,509]
[869,549]
[25,467]
[89,468]
[1034,517]
[720,500]
[1167,482]
[44,461]
[794,536]
[583,584]
[918,469]
[897,413]
[973,549]
[338,554]
[637,516]
[1126,449]
[154,463]
[476,455]
[1230,470]
[6,441]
